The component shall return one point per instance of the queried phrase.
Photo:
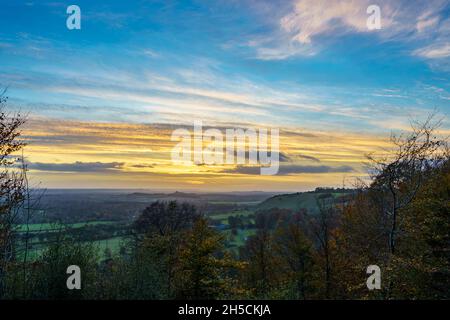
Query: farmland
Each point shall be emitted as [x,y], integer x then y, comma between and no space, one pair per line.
[105,218]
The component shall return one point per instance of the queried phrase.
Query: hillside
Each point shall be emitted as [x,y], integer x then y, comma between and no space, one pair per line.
[297,201]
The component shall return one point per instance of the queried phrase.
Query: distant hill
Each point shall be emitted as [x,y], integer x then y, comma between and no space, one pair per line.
[73,206]
[178,194]
[299,200]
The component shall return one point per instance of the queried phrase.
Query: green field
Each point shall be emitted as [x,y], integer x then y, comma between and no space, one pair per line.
[112,241]
[223,217]
[34,227]
[246,203]
[109,236]
[36,248]
[113,244]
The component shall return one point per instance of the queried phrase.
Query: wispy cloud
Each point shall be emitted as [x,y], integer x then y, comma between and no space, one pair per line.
[311,18]
[306,157]
[301,31]
[434,51]
[132,155]
[291,169]
[77,166]
[153,97]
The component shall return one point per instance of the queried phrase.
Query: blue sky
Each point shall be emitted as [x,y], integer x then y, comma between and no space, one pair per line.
[141,48]
[300,64]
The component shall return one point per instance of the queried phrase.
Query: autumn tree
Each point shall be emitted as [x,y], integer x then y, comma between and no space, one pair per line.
[421,268]
[159,232]
[397,221]
[295,253]
[204,270]
[139,273]
[398,176]
[322,227]
[361,240]
[261,273]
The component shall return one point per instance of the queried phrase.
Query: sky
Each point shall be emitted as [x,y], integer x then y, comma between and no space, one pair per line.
[103,101]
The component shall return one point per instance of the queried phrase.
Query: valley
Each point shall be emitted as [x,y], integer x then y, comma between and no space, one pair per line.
[105,217]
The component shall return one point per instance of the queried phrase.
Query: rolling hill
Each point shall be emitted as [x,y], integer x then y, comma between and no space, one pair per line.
[297,201]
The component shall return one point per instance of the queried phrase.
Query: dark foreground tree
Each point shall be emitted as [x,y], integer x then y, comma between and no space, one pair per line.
[159,233]
[12,184]
[295,253]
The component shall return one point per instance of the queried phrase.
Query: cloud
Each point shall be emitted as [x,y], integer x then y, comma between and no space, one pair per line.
[97,94]
[434,51]
[142,165]
[426,22]
[314,17]
[305,157]
[291,169]
[437,51]
[77,166]
[282,157]
[56,140]
[120,155]
[280,48]
[111,19]
[150,53]
[305,23]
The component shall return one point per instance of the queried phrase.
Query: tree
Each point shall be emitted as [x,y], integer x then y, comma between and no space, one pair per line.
[203,268]
[166,217]
[421,267]
[295,252]
[47,275]
[160,231]
[11,182]
[399,175]
[261,272]
[139,274]
[322,227]
[361,240]
[399,222]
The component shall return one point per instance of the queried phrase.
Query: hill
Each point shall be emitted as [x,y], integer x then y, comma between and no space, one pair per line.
[299,200]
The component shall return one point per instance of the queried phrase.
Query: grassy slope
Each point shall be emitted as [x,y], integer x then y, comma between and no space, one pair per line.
[294,201]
